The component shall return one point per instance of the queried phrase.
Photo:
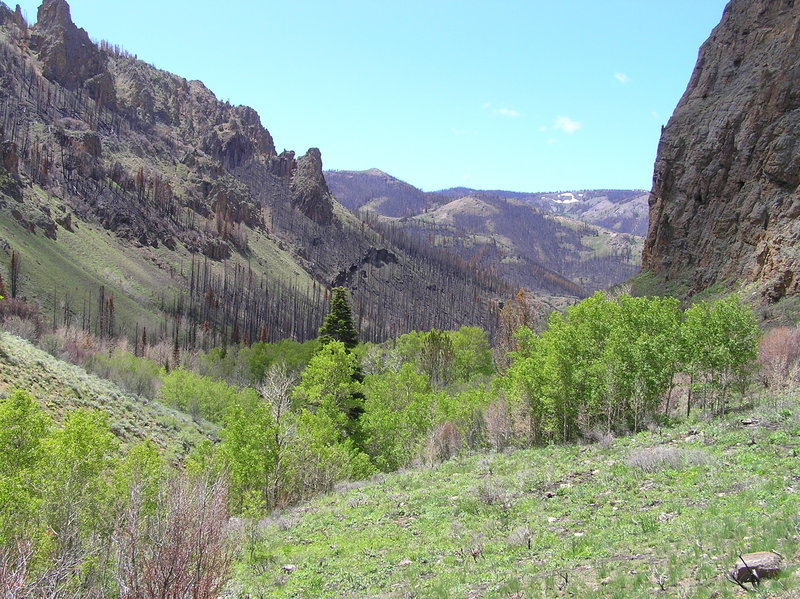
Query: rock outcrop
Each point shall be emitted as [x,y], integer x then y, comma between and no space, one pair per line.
[68,55]
[753,567]
[309,191]
[725,201]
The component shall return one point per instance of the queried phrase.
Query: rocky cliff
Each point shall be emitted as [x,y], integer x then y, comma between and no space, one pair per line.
[725,201]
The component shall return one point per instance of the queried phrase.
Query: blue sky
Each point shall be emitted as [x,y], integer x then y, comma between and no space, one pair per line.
[524,95]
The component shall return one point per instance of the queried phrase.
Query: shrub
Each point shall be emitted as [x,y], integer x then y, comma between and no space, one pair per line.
[21,318]
[444,442]
[498,425]
[520,537]
[137,375]
[661,457]
[779,357]
[202,396]
[183,550]
[21,328]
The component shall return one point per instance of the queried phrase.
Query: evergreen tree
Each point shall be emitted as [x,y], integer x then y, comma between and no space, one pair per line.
[338,324]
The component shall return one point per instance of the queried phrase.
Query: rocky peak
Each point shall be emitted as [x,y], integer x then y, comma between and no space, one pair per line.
[53,14]
[725,201]
[310,193]
[67,54]
[19,19]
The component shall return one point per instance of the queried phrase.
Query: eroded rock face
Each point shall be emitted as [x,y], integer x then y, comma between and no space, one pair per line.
[309,191]
[9,157]
[68,55]
[725,201]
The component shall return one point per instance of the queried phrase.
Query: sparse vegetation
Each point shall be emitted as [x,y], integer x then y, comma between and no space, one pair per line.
[587,521]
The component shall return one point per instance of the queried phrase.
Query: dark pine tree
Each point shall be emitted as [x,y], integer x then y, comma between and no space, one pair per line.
[338,324]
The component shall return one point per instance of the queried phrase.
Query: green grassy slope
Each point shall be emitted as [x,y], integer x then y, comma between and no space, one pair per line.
[62,387]
[79,261]
[657,514]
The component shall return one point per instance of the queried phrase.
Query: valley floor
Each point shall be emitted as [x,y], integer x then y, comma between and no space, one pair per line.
[662,513]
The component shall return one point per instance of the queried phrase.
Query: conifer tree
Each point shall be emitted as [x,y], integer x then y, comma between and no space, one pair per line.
[338,324]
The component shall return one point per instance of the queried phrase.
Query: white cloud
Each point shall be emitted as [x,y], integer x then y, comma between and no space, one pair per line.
[508,112]
[552,141]
[622,78]
[467,177]
[486,106]
[567,125]
[457,131]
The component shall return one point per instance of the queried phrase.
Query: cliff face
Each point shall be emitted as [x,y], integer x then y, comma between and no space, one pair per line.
[725,197]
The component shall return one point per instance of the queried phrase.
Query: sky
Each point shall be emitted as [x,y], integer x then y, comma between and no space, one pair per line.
[521,95]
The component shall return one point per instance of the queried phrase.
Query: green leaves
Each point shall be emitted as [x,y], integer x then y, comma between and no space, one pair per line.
[338,324]
[249,451]
[202,396]
[720,346]
[23,425]
[607,364]
[23,430]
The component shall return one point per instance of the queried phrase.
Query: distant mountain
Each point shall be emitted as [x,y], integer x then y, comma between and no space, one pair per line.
[624,211]
[375,190]
[568,243]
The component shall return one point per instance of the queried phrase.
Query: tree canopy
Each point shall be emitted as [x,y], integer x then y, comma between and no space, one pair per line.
[338,324]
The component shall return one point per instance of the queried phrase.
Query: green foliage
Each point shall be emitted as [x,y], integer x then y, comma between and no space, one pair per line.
[329,377]
[76,474]
[720,344]
[398,415]
[247,365]
[338,324]
[23,429]
[447,357]
[322,454]
[134,374]
[294,355]
[249,453]
[402,411]
[607,364]
[328,401]
[202,396]
[473,356]
[436,357]
[23,424]
[144,470]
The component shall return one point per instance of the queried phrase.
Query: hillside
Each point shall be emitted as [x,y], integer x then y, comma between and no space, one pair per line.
[131,198]
[620,210]
[379,192]
[568,244]
[724,205]
[61,388]
[656,514]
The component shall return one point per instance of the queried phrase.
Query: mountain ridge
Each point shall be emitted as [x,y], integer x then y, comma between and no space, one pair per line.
[538,241]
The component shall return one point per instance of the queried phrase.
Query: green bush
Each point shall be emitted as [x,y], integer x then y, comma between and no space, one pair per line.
[203,396]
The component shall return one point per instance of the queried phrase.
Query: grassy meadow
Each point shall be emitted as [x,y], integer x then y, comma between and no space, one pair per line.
[662,513]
